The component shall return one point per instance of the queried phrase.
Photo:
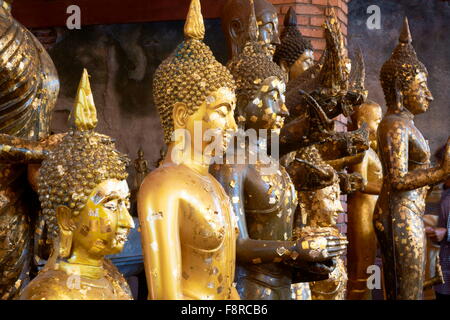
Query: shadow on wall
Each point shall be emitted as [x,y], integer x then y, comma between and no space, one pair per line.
[429,24]
[121,60]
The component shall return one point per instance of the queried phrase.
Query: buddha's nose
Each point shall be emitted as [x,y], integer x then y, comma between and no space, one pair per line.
[429,96]
[125,219]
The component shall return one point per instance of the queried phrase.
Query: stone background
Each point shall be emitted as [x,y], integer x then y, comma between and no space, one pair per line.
[429,25]
[121,60]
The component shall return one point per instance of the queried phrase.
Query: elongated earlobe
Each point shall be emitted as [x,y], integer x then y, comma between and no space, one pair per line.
[66,228]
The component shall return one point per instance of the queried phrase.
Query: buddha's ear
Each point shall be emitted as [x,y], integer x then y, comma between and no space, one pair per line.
[180,115]
[284,66]
[66,228]
[236,28]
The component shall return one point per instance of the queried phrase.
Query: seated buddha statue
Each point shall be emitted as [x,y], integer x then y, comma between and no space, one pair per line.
[294,54]
[407,172]
[263,196]
[28,96]
[84,195]
[187,224]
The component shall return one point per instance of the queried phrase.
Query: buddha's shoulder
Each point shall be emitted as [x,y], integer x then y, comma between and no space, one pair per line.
[173,177]
[48,285]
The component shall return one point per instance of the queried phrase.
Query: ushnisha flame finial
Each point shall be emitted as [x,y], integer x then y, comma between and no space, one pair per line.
[290,20]
[194,27]
[405,35]
[253,31]
[84,114]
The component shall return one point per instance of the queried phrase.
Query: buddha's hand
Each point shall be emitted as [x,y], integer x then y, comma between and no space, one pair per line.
[351,182]
[320,247]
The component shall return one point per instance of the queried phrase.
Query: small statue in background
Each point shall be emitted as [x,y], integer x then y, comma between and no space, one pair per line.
[187,224]
[85,198]
[407,173]
[295,53]
[28,95]
[361,205]
[235,18]
[141,167]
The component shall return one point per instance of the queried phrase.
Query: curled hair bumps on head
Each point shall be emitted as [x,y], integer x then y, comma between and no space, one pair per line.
[189,74]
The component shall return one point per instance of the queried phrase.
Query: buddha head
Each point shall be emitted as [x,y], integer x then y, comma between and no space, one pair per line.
[261,85]
[370,113]
[191,87]
[235,14]
[83,190]
[404,78]
[295,53]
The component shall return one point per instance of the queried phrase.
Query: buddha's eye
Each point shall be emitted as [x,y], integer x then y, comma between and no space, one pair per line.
[111,205]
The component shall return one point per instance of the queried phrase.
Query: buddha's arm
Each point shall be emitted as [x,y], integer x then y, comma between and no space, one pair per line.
[18,150]
[158,217]
[341,163]
[247,250]
[395,149]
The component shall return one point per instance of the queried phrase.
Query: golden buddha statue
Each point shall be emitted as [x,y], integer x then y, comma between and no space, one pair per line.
[407,173]
[187,225]
[84,195]
[295,53]
[235,17]
[361,204]
[28,93]
[263,196]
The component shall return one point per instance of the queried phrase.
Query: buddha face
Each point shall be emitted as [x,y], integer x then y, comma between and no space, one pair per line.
[303,63]
[328,203]
[216,117]
[416,95]
[267,109]
[102,226]
[268,30]
[372,115]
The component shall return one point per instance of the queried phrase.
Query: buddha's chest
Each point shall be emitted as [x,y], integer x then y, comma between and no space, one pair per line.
[206,218]
[418,149]
[270,200]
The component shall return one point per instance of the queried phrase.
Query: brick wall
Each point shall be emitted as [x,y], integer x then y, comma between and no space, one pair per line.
[310,17]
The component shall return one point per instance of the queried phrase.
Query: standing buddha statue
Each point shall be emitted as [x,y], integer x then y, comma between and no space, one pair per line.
[235,17]
[295,53]
[187,224]
[361,205]
[407,173]
[85,198]
[263,196]
[28,95]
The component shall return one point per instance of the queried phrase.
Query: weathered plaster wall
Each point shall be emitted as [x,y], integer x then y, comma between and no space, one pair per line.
[429,24]
[121,60]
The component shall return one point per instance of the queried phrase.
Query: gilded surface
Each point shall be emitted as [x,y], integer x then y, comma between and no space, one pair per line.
[268,256]
[85,199]
[187,224]
[361,205]
[28,95]
[405,157]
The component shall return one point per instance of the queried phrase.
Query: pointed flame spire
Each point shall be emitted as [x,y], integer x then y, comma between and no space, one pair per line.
[291,18]
[84,114]
[405,35]
[253,31]
[194,27]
